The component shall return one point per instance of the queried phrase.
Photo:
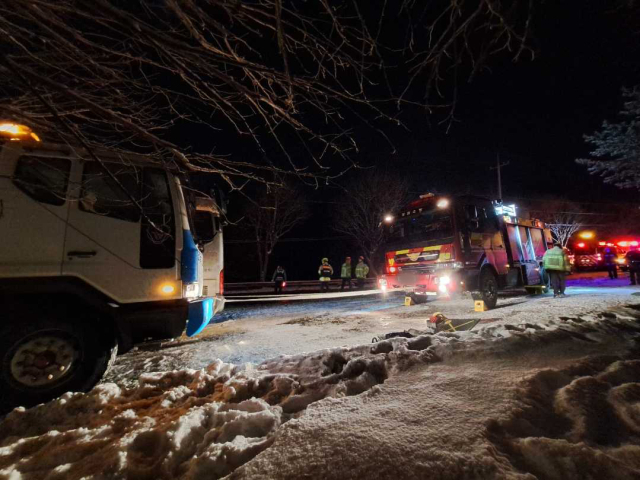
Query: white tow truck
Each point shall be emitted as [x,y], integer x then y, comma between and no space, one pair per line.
[97,252]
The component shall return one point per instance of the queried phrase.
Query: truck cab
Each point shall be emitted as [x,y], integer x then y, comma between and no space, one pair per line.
[99,252]
[444,245]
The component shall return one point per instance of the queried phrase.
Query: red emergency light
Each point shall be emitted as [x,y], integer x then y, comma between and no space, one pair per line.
[633,244]
[581,245]
[623,244]
[392,269]
[602,244]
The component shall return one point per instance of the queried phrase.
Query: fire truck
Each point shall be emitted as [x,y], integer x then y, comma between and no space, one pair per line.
[446,245]
[589,254]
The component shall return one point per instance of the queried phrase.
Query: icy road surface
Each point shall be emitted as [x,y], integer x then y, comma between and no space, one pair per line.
[256,332]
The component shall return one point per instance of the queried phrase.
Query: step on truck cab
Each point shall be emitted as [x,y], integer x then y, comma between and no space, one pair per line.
[445,245]
[95,257]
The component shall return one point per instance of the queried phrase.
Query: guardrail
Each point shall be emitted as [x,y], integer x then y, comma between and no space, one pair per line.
[238,288]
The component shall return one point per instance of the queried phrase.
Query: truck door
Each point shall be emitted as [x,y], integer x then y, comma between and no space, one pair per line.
[209,233]
[485,242]
[110,244]
[33,213]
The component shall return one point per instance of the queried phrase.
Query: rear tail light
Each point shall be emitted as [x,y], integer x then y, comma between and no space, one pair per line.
[221,281]
[391,269]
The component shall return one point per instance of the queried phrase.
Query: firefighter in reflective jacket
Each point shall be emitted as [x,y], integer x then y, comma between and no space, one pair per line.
[325,271]
[345,273]
[362,270]
[556,264]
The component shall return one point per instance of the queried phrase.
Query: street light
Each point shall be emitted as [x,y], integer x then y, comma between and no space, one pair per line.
[388,218]
[442,203]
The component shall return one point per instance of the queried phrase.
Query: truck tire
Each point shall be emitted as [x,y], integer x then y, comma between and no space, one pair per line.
[419,299]
[42,357]
[489,288]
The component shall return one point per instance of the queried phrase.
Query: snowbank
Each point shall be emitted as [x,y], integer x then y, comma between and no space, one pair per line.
[558,400]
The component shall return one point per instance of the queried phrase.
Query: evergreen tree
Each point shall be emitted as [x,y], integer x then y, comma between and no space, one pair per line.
[617,153]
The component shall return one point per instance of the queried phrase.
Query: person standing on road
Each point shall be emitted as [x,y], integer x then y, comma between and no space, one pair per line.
[279,279]
[633,261]
[345,273]
[610,262]
[556,263]
[325,271]
[362,270]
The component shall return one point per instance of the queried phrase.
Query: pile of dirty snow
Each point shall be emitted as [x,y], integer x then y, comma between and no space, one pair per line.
[556,400]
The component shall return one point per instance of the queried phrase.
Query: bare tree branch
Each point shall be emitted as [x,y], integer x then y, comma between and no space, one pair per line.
[366,202]
[281,209]
[140,76]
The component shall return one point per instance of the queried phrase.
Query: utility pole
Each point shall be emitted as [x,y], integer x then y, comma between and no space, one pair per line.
[498,168]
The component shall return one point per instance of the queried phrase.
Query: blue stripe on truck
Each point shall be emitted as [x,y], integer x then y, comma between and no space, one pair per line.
[189,258]
[200,314]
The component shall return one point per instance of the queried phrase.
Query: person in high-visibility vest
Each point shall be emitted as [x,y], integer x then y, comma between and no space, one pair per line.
[556,263]
[325,271]
[345,273]
[362,270]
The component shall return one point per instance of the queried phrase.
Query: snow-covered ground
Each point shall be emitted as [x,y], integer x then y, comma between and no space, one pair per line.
[254,333]
[541,388]
[554,399]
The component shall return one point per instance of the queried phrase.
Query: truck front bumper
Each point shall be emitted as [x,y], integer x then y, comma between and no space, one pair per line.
[201,311]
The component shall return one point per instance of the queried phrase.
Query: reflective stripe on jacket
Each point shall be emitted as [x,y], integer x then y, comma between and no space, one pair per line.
[556,259]
[362,270]
[325,271]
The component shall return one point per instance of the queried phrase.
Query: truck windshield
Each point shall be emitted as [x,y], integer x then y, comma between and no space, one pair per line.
[431,225]
[203,225]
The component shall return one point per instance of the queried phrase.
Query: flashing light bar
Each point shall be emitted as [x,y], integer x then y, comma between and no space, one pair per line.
[602,244]
[507,210]
[17,132]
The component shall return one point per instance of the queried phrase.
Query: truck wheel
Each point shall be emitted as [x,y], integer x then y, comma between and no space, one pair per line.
[419,299]
[489,288]
[42,358]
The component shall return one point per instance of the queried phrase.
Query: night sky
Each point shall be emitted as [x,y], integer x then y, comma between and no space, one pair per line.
[534,113]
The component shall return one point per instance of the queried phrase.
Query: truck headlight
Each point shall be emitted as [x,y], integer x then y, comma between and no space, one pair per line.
[190,290]
[445,280]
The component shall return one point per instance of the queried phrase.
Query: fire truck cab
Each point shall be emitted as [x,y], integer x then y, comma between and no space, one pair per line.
[445,245]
